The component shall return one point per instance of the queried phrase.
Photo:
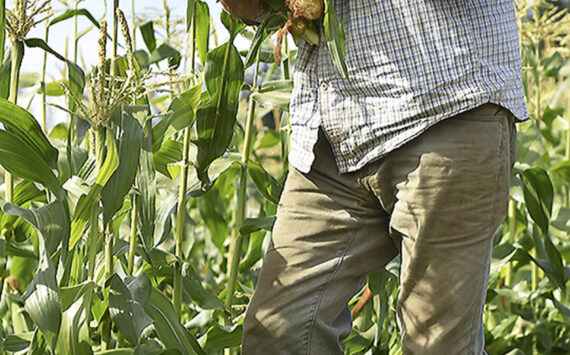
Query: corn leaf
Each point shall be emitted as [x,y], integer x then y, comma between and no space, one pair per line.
[256,228]
[278,100]
[74,335]
[74,13]
[37,344]
[167,325]
[147,193]
[217,114]
[562,170]
[181,114]
[192,288]
[42,300]
[334,32]
[202,30]
[251,225]
[76,77]
[538,196]
[126,310]
[50,221]
[170,152]
[220,337]
[21,123]
[23,161]
[118,352]
[190,11]
[266,184]
[69,295]
[5,68]
[255,47]
[17,342]
[129,143]
[147,32]
[164,51]
[85,203]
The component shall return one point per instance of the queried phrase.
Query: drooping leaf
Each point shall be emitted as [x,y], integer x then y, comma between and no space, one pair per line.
[130,143]
[147,32]
[274,94]
[74,13]
[192,288]
[76,77]
[42,300]
[83,209]
[50,221]
[259,37]
[251,225]
[17,342]
[126,311]
[164,51]
[266,184]
[212,210]
[220,337]
[22,124]
[334,32]
[21,160]
[69,295]
[24,192]
[538,195]
[167,325]
[170,152]
[254,251]
[216,116]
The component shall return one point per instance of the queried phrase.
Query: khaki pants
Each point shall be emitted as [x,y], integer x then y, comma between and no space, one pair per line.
[437,200]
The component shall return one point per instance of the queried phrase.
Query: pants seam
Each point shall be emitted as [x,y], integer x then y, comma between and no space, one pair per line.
[315,306]
[489,231]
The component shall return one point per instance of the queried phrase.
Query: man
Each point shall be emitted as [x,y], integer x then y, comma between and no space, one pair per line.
[411,154]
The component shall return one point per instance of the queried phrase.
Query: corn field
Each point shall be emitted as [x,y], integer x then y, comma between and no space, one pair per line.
[137,224]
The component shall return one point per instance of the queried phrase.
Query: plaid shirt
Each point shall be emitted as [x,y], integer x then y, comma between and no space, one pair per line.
[411,64]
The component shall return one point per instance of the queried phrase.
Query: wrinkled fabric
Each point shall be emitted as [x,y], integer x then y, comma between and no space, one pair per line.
[436,200]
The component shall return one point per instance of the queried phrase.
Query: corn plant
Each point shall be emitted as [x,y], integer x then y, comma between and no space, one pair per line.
[145,234]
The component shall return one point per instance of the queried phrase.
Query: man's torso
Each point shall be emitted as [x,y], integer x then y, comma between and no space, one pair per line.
[411,64]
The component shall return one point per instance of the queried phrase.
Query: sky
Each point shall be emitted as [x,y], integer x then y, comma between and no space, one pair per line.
[87,51]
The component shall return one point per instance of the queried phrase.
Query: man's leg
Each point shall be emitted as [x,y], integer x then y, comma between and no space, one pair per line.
[447,192]
[329,234]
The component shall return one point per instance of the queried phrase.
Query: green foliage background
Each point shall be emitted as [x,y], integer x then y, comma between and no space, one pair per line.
[139,225]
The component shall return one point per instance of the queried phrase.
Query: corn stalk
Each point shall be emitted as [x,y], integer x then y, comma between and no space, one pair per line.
[181,212]
[238,237]
[17,56]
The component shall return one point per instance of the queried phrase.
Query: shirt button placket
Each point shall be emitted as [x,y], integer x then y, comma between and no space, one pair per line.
[323,101]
